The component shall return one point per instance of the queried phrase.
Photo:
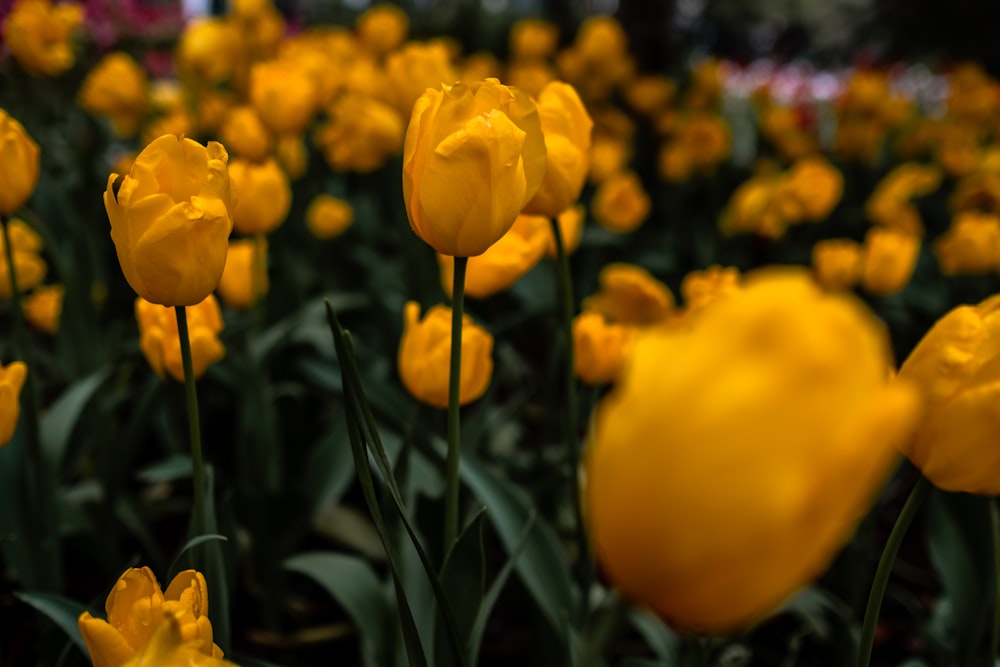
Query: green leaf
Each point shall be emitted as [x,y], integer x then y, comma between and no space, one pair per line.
[57,424]
[215,570]
[662,640]
[463,578]
[191,544]
[541,565]
[60,611]
[174,467]
[352,583]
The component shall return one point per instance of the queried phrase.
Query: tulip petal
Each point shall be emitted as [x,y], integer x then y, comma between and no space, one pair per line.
[107,647]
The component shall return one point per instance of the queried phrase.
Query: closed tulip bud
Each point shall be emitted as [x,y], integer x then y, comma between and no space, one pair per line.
[12,378]
[570,228]
[116,88]
[971,245]
[209,51]
[171,220]
[244,281]
[261,196]
[955,367]
[244,134]
[29,267]
[630,295]
[887,260]
[382,28]
[415,68]
[160,341]
[137,608]
[566,126]
[43,308]
[600,348]
[425,355]
[40,35]
[328,217]
[516,253]
[777,394]
[473,157]
[18,164]
[621,204]
[284,94]
[837,263]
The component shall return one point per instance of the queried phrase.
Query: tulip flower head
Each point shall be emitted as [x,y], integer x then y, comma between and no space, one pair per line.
[19,159]
[244,280]
[328,217]
[171,217]
[160,341]
[29,267]
[631,295]
[43,308]
[474,155]
[116,88]
[12,377]
[40,35]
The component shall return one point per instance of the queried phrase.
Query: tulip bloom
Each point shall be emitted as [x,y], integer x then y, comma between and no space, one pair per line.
[778,396]
[630,295]
[261,196]
[600,348]
[382,28]
[137,608]
[955,367]
[29,267]
[621,203]
[245,135]
[116,88]
[18,164]
[971,245]
[473,157]
[40,35]
[244,280]
[12,377]
[425,354]
[171,219]
[161,344]
[837,263]
[284,94]
[888,259]
[43,308]
[702,288]
[328,217]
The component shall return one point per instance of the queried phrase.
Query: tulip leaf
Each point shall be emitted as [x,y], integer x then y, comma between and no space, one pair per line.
[174,467]
[353,584]
[191,544]
[60,419]
[662,640]
[59,610]
[463,578]
[215,566]
[541,566]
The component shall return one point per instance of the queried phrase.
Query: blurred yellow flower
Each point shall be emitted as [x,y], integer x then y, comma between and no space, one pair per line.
[171,219]
[699,143]
[209,52]
[473,157]
[12,377]
[284,95]
[570,224]
[382,28]
[600,347]
[533,39]
[160,342]
[415,68]
[261,196]
[244,134]
[810,189]
[888,258]
[116,88]
[425,353]
[621,203]
[779,396]
[890,205]
[837,263]
[598,59]
[137,609]
[328,217]
[40,35]
[955,367]
[29,267]
[701,288]
[43,307]
[971,245]
[608,156]
[566,126]
[292,155]
[631,295]
[19,157]
[244,280]
[650,94]
[516,253]
[361,133]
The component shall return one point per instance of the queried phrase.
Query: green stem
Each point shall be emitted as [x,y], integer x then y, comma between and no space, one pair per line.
[995,629]
[884,568]
[197,462]
[599,637]
[37,475]
[585,568]
[454,421]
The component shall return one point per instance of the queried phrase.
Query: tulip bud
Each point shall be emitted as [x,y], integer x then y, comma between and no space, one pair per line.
[425,356]
[473,157]
[18,164]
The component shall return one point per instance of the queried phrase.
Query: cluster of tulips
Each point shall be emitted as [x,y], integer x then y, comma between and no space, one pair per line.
[739,434]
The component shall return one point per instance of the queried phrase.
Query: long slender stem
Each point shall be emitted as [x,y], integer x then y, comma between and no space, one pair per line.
[37,474]
[454,421]
[585,568]
[995,629]
[197,462]
[884,568]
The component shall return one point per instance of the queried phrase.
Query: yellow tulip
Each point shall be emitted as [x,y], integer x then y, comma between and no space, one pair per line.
[815,185]
[160,341]
[533,39]
[971,245]
[43,308]
[630,295]
[777,396]
[209,51]
[328,217]
[425,355]
[244,280]
[600,347]
[608,156]
[40,35]
[837,263]
[29,267]
[262,196]
[570,228]
[116,88]
[382,28]
[168,647]
[955,367]
[18,164]
[888,259]
[415,68]
[293,156]
[171,219]
[284,94]
[531,76]
[362,133]
[245,135]
[137,608]
[516,253]
[701,288]
[566,126]
[621,203]
[12,377]
[473,157]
